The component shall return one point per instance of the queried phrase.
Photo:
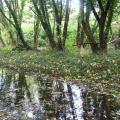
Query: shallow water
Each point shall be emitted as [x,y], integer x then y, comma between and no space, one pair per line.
[32,97]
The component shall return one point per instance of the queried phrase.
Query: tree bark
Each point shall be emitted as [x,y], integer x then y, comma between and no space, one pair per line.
[36,32]
[1,40]
[65,29]
[88,32]
[80,31]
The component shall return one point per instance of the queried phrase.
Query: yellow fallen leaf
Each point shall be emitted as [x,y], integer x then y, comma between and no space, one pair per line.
[1,114]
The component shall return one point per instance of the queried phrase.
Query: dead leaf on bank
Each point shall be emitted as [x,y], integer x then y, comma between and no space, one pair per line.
[1,114]
[97,65]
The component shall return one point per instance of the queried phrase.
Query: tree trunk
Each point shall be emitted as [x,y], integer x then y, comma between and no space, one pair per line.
[102,40]
[78,40]
[36,32]
[80,31]
[1,40]
[88,32]
[65,29]
[109,21]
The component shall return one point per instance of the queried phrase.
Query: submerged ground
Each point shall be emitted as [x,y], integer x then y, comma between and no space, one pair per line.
[93,81]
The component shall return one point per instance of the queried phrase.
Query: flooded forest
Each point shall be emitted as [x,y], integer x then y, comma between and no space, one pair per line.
[59,60]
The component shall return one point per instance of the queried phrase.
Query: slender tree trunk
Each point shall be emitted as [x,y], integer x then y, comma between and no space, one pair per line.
[1,40]
[21,36]
[88,32]
[78,41]
[58,18]
[80,31]
[65,29]
[54,26]
[103,41]
[109,21]
[12,38]
[59,44]
[36,32]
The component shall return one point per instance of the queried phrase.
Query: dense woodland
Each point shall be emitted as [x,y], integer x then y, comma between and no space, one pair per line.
[31,24]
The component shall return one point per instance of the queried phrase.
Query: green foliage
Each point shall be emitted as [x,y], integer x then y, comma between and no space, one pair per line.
[18,48]
[71,38]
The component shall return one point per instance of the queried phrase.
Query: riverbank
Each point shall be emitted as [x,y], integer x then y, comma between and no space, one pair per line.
[68,66]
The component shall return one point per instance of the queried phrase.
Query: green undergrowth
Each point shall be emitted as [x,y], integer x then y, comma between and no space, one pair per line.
[66,65]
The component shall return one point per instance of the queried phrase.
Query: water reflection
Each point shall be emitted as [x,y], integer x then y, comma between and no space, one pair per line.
[24,97]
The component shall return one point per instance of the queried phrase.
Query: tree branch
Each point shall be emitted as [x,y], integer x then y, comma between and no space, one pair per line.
[100,5]
[7,18]
[94,12]
[107,5]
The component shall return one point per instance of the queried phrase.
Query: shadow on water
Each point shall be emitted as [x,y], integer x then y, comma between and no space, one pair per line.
[24,97]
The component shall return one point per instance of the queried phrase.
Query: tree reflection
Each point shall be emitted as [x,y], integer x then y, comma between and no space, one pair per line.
[98,106]
[52,99]
[51,94]
[21,88]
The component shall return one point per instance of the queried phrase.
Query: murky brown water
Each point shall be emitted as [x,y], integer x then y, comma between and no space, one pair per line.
[32,97]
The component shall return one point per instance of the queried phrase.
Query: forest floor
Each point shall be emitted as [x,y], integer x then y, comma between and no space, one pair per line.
[100,73]
[67,65]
